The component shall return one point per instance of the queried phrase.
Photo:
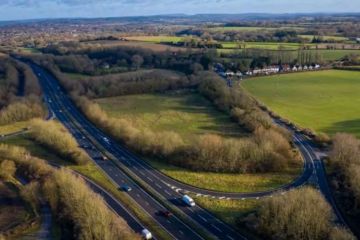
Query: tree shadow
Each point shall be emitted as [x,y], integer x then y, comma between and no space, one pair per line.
[349,126]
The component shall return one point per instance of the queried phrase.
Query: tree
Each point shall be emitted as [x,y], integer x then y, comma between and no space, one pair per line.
[137,61]
[7,169]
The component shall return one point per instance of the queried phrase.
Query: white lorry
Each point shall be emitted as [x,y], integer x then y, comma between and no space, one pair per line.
[146,234]
[188,201]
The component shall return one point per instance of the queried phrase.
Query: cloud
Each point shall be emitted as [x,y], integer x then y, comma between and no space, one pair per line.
[10,9]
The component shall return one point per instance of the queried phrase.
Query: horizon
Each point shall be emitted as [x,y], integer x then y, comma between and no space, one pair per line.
[70,9]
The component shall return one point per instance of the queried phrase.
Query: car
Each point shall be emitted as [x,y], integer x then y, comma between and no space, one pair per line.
[125,188]
[104,158]
[146,234]
[164,213]
[188,201]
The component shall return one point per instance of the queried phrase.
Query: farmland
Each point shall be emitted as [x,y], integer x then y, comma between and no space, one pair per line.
[323,101]
[156,39]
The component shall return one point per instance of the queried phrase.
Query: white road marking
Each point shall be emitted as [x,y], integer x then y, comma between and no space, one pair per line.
[230,237]
[216,228]
[204,219]
[167,193]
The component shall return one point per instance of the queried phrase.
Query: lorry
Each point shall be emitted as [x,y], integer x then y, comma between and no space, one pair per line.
[146,234]
[188,201]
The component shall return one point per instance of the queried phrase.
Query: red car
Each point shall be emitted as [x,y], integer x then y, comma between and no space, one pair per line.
[165,213]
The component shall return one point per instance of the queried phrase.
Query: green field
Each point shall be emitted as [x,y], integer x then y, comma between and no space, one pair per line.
[263,45]
[325,101]
[251,29]
[156,39]
[326,54]
[186,113]
[189,114]
[335,38]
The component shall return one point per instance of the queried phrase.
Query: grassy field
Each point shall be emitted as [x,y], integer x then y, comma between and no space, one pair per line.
[225,181]
[190,115]
[326,54]
[250,29]
[136,44]
[228,210]
[264,45]
[326,101]
[185,113]
[335,38]
[15,127]
[156,39]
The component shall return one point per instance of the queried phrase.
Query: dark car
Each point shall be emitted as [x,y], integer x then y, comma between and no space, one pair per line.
[164,213]
[125,188]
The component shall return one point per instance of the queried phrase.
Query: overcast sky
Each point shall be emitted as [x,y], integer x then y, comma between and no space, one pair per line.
[29,9]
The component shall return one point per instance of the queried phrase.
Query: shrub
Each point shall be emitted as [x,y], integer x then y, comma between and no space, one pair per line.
[85,209]
[299,214]
[55,137]
[7,169]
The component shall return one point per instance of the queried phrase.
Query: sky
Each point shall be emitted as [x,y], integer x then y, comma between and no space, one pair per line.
[33,9]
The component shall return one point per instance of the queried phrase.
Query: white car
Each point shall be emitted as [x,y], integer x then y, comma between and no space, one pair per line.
[188,201]
[146,234]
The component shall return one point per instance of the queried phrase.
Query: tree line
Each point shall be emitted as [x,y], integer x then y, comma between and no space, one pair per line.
[53,136]
[298,214]
[81,213]
[344,159]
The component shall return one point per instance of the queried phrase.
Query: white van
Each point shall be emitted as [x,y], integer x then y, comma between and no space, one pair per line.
[146,234]
[188,201]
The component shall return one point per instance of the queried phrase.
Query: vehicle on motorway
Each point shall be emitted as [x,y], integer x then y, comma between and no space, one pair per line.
[164,213]
[188,201]
[106,140]
[125,188]
[104,158]
[146,234]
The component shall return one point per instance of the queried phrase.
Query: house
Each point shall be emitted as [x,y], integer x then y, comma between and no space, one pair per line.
[317,66]
[311,67]
[229,74]
[357,40]
[305,67]
[294,68]
[239,74]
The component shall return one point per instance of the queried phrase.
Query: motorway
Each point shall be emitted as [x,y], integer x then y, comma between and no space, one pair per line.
[125,165]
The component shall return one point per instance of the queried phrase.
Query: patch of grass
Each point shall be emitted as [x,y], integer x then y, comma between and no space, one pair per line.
[326,38]
[186,113]
[325,101]
[15,127]
[228,210]
[137,44]
[264,45]
[227,182]
[156,39]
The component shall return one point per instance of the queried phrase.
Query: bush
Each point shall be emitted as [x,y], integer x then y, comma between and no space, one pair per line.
[299,214]
[21,110]
[53,136]
[84,209]
[7,170]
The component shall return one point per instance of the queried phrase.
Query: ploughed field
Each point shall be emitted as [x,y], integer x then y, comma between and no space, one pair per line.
[189,115]
[325,101]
